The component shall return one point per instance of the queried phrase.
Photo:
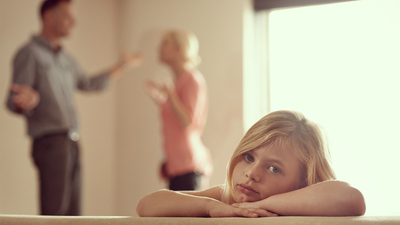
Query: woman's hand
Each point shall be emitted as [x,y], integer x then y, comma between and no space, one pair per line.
[163,171]
[220,209]
[252,206]
[157,91]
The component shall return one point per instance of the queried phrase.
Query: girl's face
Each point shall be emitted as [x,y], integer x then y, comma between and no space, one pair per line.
[168,50]
[266,171]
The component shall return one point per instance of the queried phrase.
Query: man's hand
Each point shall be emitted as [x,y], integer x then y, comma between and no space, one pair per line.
[26,98]
[132,60]
[253,205]
[127,62]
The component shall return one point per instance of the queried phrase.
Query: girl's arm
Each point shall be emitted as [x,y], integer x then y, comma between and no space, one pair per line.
[329,198]
[165,203]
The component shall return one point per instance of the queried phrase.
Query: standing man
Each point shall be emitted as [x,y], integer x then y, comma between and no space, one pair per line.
[44,80]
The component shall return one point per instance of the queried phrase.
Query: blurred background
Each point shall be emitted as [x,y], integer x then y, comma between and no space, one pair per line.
[120,136]
[336,63]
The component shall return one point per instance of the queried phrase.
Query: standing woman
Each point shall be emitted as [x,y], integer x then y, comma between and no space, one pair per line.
[187,162]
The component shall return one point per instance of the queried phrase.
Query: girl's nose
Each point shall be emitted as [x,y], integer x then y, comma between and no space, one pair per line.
[253,174]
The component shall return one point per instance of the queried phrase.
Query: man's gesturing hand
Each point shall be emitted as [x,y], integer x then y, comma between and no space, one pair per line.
[25,98]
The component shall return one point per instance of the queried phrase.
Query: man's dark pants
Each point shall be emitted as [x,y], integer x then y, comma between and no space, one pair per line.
[56,157]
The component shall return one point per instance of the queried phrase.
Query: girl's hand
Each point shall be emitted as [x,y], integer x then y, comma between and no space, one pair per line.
[219,209]
[252,206]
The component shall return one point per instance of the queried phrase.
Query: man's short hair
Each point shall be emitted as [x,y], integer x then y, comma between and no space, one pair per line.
[49,4]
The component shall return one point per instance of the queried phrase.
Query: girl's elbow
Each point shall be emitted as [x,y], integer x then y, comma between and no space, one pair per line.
[140,208]
[355,202]
[360,205]
[143,209]
[148,206]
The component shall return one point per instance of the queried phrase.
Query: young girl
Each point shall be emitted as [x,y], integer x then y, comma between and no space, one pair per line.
[280,167]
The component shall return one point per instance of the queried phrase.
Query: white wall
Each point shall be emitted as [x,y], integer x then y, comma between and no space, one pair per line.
[16,171]
[121,130]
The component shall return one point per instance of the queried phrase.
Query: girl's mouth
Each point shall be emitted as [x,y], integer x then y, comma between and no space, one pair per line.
[246,189]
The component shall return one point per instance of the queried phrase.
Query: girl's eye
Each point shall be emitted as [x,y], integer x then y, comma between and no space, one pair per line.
[249,158]
[273,169]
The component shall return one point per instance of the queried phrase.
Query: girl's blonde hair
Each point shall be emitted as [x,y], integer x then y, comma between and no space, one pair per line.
[292,130]
[188,43]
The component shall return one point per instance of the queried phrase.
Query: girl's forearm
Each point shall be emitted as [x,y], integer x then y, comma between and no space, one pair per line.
[330,198]
[165,203]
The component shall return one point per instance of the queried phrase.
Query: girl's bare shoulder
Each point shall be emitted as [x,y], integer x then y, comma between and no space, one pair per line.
[213,192]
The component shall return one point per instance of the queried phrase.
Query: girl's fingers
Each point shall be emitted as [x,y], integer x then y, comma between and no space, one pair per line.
[249,214]
[253,212]
[245,213]
[263,213]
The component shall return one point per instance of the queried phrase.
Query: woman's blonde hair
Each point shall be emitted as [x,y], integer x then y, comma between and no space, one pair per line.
[292,130]
[188,43]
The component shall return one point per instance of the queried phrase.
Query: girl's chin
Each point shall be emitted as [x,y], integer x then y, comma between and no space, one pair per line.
[244,198]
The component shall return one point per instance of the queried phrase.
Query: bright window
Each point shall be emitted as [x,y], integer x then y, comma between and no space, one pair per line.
[339,64]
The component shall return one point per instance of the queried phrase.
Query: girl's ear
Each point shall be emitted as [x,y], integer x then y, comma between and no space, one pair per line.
[304,175]
[304,184]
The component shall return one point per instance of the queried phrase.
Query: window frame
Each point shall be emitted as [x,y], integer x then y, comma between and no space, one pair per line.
[275,4]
